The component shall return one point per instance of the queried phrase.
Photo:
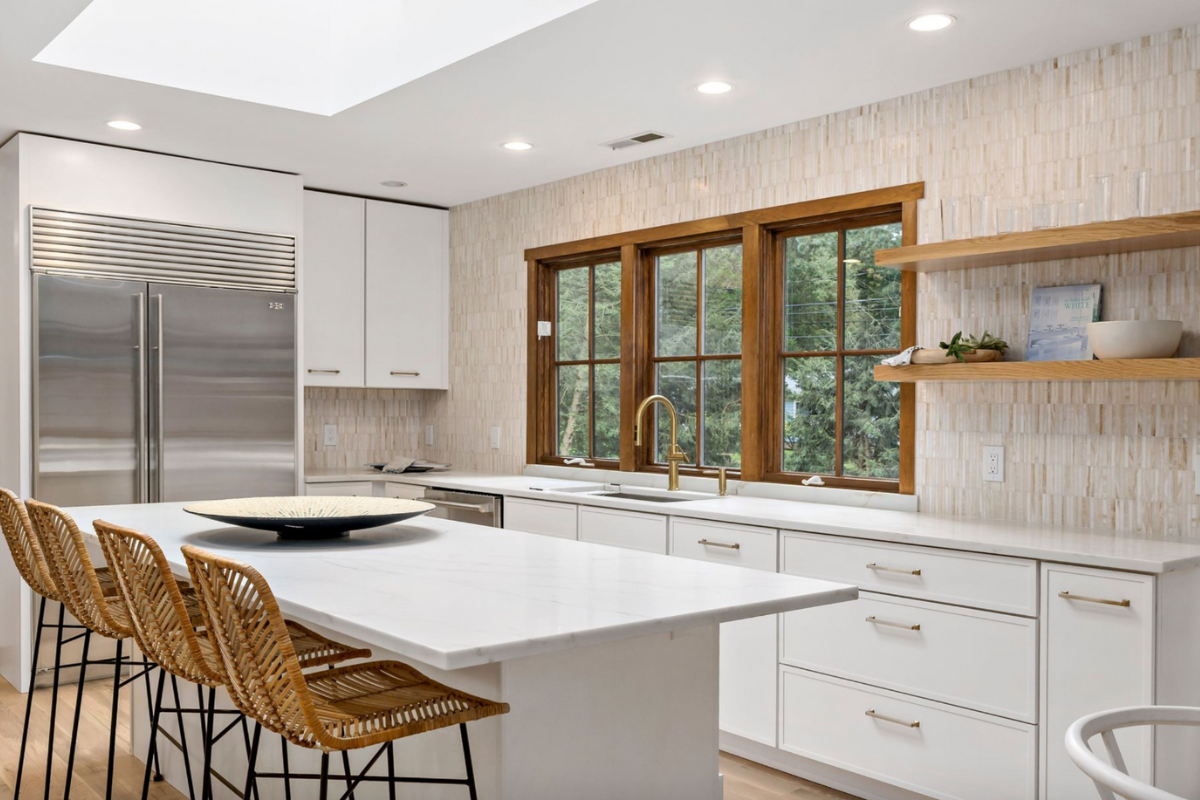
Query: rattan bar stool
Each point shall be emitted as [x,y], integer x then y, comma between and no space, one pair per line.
[80,590]
[342,709]
[166,633]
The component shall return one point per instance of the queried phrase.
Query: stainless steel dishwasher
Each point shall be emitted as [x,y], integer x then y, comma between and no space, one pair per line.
[476,508]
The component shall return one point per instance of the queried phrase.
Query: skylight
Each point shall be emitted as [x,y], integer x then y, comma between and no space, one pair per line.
[317,56]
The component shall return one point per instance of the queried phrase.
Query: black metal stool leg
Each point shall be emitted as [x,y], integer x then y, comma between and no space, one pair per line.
[183,745]
[112,730]
[83,664]
[251,779]
[158,776]
[287,778]
[209,731]
[391,757]
[349,776]
[466,743]
[324,776]
[37,649]
[54,701]
[155,712]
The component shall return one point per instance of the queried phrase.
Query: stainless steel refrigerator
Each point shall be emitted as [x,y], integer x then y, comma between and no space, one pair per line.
[152,392]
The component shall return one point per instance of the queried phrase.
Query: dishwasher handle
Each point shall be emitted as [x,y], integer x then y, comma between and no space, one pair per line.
[482,508]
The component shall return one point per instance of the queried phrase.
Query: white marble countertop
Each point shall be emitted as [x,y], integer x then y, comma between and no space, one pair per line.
[1042,542]
[455,595]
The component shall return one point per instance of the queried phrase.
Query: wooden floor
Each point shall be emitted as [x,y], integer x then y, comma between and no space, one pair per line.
[744,780]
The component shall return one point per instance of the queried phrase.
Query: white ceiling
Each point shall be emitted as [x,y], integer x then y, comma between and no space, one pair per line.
[610,69]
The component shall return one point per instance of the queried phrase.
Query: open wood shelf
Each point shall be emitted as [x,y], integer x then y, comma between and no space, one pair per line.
[1134,369]
[1076,241]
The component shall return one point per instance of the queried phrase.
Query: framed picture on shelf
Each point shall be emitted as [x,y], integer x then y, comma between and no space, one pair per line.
[1058,320]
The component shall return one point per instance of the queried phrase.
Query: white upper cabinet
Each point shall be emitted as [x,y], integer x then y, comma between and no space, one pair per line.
[408,286]
[376,293]
[334,289]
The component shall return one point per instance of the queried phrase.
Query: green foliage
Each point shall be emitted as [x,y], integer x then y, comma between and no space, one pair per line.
[956,347]
[987,342]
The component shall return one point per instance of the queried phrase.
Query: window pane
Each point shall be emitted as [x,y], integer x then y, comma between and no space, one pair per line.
[810,293]
[809,414]
[872,293]
[723,300]
[572,404]
[675,295]
[722,398]
[607,291]
[870,421]
[572,323]
[606,414]
[676,380]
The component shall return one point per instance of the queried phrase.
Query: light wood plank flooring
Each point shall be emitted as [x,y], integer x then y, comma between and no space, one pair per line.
[744,780]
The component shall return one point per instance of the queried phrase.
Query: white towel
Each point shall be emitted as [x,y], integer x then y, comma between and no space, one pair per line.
[901,359]
[399,464]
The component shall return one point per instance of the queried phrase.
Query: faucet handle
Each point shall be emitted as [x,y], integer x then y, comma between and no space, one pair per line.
[721,478]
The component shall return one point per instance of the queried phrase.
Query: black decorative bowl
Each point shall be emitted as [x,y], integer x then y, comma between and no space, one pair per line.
[309,517]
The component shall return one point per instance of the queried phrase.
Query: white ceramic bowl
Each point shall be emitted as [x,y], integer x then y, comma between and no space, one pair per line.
[1135,339]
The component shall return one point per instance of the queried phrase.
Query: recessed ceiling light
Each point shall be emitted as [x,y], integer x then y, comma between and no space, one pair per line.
[518,146]
[714,87]
[124,125]
[393,184]
[931,22]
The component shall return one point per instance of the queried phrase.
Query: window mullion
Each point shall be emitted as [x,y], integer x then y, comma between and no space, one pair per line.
[839,406]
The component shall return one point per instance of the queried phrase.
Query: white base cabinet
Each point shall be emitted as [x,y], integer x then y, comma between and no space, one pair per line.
[628,529]
[537,516]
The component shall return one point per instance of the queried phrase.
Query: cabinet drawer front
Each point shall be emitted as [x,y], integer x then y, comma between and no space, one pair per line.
[627,529]
[347,489]
[739,545]
[951,754]
[976,659]
[991,582]
[1097,654]
[536,516]
[403,491]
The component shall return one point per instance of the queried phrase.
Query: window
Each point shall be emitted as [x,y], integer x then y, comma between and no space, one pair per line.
[697,359]
[840,315]
[763,329]
[587,360]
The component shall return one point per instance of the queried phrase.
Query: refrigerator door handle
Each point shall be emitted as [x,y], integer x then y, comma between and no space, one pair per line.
[143,469]
[158,402]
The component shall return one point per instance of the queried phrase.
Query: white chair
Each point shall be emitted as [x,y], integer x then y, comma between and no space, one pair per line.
[1112,778]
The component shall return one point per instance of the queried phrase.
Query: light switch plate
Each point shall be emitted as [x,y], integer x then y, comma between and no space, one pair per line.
[993,464]
[544,328]
[495,437]
[429,435]
[331,436]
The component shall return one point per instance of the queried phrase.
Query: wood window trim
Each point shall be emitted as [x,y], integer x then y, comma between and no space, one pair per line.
[756,230]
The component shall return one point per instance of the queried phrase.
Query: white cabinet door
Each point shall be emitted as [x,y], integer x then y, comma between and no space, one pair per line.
[538,516]
[1095,656]
[341,489]
[407,296]
[627,529]
[749,647]
[332,290]
[403,491]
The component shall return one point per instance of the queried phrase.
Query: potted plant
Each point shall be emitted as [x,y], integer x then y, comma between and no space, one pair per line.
[963,350]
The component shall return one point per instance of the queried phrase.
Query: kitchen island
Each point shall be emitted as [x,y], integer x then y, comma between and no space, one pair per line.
[607,656]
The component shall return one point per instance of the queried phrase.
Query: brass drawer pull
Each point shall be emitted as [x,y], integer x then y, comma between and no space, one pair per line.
[707,543]
[916,723]
[325,371]
[902,625]
[896,570]
[405,374]
[1100,600]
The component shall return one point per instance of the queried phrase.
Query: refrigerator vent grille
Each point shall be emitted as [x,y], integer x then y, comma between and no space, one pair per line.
[96,244]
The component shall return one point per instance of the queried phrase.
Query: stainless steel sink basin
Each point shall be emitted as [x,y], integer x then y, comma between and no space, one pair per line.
[645,498]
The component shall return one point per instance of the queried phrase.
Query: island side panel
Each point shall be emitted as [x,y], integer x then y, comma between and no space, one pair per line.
[633,718]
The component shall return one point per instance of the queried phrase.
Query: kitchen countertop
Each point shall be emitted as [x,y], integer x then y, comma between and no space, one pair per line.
[1042,542]
[455,595]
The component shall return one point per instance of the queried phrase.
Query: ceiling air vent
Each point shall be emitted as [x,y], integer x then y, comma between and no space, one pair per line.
[632,141]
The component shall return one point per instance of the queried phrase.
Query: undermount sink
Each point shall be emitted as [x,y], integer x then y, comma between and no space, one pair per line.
[645,498]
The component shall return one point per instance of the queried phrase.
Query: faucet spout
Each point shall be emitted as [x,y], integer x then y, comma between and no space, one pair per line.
[675,456]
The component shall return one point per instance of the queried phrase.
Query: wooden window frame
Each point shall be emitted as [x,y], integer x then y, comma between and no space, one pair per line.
[758,231]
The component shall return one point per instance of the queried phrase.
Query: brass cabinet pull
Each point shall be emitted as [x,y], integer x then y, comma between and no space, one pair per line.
[916,723]
[405,374]
[1100,600]
[325,371]
[902,625]
[707,543]
[896,570]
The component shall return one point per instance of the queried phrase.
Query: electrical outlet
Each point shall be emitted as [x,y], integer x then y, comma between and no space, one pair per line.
[993,464]
[429,435]
[495,436]
[331,435]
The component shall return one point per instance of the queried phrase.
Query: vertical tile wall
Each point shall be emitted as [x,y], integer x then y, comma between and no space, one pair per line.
[1102,455]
